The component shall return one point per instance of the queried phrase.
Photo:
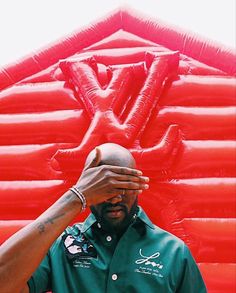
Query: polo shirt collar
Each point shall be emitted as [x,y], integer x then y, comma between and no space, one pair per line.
[141,215]
[89,221]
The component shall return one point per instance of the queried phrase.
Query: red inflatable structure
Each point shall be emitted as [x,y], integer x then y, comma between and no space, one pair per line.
[167,95]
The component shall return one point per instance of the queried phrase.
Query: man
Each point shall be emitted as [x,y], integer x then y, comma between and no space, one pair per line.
[117,248]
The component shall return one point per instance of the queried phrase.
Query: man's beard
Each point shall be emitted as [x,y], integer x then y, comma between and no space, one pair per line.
[120,227]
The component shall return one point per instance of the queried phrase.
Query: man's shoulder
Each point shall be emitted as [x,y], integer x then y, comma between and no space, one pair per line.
[167,237]
[156,234]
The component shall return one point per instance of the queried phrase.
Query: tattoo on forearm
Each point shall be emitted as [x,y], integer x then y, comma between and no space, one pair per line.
[41,228]
[42,225]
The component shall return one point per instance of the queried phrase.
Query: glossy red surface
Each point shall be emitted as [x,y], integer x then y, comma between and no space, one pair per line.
[167,95]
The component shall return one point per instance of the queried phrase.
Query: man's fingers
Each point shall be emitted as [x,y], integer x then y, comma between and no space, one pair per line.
[131,178]
[123,170]
[95,160]
[129,185]
[129,192]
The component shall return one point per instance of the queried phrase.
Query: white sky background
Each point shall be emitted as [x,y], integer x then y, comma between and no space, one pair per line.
[27,25]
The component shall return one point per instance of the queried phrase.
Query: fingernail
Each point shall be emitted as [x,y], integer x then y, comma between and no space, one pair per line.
[140,173]
[146,179]
[146,186]
[140,191]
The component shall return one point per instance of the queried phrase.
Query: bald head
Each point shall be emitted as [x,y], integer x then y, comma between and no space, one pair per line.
[113,154]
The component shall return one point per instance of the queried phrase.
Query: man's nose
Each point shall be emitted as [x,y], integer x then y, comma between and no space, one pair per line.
[115,199]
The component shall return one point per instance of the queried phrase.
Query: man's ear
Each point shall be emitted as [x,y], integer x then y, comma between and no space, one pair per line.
[95,160]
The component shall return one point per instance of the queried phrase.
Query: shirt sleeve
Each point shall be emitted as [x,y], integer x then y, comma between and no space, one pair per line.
[191,281]
[40,280]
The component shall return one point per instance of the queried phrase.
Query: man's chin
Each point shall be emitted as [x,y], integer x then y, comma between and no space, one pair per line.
[112,222]
[117,215]
[114,217]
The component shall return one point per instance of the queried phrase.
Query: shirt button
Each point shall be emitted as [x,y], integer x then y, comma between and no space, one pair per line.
[108,238]
[114,277]
[99,225]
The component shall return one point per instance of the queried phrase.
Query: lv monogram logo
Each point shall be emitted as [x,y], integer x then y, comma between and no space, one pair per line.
[117,112]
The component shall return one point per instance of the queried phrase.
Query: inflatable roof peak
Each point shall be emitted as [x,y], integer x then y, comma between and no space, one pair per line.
[113,28]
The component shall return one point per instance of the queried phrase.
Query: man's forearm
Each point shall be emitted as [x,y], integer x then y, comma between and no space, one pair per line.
[22,253]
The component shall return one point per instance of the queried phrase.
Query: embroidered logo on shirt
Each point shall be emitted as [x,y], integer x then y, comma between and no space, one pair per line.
[146,259]
[148,265]
[78,247]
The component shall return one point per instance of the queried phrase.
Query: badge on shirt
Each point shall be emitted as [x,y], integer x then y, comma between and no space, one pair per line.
[78,247]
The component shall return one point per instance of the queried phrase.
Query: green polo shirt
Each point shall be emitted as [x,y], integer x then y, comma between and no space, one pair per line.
[146,258]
